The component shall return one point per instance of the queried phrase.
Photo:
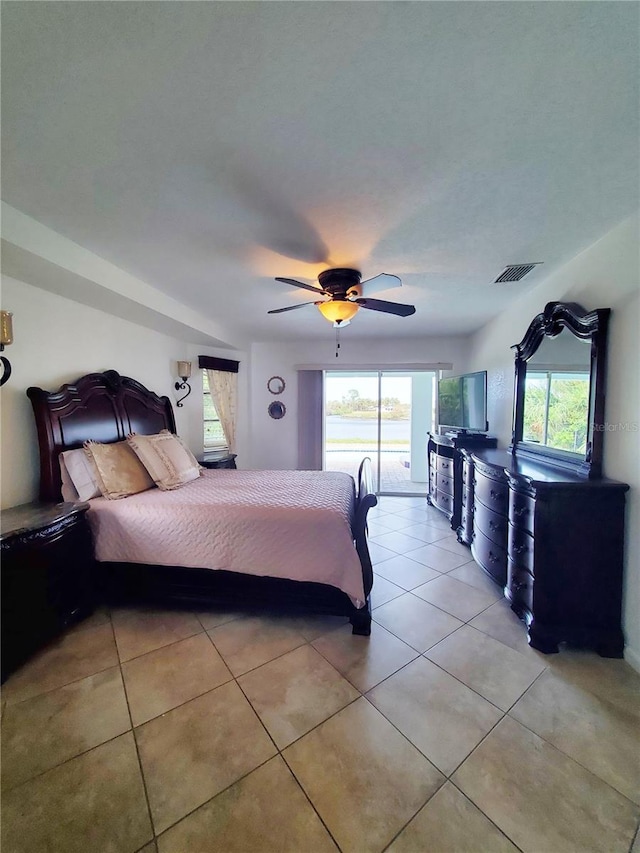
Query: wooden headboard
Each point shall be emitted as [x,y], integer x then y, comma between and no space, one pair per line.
[103,407]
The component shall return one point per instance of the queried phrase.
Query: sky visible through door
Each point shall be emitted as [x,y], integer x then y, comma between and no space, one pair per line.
[369,414]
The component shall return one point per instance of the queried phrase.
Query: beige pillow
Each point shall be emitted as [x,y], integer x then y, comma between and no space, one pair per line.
[118,470]
[193,459]
[165,457]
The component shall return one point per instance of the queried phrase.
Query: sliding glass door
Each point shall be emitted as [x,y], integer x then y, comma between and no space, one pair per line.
[384,415]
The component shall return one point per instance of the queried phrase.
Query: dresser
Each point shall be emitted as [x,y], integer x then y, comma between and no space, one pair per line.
[47,576]
[445,466]
[488,499]
[554,540]
[465,530]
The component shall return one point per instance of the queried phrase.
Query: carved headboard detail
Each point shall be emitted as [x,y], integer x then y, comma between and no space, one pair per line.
[103,407]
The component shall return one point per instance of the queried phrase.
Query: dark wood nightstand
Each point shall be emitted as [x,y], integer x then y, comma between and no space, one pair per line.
[218,460]
[47,576]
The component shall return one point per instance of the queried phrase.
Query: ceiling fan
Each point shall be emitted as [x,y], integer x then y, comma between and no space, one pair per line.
[346,294]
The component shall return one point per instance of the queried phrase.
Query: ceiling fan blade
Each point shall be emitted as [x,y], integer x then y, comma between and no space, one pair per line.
[384,281]
[387,307]
[301,284]
[290,307]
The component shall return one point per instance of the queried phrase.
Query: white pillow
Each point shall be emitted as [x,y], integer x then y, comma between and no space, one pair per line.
[169,463]
[78,473]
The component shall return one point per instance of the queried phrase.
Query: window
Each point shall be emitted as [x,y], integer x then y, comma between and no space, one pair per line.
[213,434]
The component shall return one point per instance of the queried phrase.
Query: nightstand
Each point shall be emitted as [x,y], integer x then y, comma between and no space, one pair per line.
[47,576]
[218,460]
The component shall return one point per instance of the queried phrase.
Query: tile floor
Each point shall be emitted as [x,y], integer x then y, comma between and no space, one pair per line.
[395,477]
[183,732]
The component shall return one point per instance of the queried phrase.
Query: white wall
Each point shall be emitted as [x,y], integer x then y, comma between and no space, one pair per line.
[606,275]
[58,340]
[274,443]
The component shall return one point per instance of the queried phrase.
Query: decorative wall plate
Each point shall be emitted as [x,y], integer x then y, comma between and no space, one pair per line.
[277,410]
[276,385]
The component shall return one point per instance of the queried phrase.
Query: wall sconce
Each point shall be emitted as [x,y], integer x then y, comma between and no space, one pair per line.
[184,372]
[6,338]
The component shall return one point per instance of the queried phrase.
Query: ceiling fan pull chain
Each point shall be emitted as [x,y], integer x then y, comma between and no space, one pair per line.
[337,340]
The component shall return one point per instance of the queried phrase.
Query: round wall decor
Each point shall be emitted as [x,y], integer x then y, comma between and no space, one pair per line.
[276,385]
[277,410]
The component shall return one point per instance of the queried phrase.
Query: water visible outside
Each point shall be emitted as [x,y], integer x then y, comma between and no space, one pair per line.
[348,440]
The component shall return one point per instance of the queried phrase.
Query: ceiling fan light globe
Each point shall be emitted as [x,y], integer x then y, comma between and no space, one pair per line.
[338,309]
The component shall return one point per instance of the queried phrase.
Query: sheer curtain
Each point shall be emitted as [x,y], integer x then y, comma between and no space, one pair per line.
[224,393]
[222,374]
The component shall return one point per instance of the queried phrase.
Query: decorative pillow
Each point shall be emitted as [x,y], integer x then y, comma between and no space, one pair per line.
[165,457]
[78,473]
[193,459]
[118,470]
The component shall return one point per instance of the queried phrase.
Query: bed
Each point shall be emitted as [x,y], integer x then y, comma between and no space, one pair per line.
[106,408]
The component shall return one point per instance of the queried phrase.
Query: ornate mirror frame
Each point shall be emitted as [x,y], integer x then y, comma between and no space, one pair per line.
[588,326]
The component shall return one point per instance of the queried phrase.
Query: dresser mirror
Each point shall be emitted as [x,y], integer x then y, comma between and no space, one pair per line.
[559,388]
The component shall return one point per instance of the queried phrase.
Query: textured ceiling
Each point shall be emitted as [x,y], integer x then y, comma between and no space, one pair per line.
[207,147]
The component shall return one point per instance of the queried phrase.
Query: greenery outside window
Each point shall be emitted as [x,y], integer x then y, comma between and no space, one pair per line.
[213,434]
[554,414]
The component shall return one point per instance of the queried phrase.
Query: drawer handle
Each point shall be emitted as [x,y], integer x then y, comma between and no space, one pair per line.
[497,496]
[444,481]
[493,526]
[520,549]
[516,587]
[521,511]
[493,557]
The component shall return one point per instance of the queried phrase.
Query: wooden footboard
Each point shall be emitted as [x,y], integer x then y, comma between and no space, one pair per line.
[365,499]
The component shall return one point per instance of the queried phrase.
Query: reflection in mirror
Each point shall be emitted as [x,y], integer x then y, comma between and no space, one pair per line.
[556,397]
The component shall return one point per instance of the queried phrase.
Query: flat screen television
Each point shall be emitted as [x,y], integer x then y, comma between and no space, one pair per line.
[462,402]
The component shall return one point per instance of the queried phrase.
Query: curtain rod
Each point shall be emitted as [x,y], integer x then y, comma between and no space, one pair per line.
[386,368]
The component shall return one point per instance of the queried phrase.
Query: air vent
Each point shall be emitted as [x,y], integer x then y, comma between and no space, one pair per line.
[514,272]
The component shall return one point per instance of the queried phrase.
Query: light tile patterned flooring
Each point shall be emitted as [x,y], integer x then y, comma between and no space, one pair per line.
[395,478]
[187,732]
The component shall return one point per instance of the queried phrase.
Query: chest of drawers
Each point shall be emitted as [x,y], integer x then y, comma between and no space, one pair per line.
[490,519]
[444,454]
[555,541]
[465,530]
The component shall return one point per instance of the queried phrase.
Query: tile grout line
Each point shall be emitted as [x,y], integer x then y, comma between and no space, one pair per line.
[279,752]
[8,704]
[493,823]
[559,748]
[309,800]
[544,740]
[309,642]
[135,739]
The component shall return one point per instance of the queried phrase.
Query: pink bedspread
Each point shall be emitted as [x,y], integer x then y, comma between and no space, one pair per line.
[286,524]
